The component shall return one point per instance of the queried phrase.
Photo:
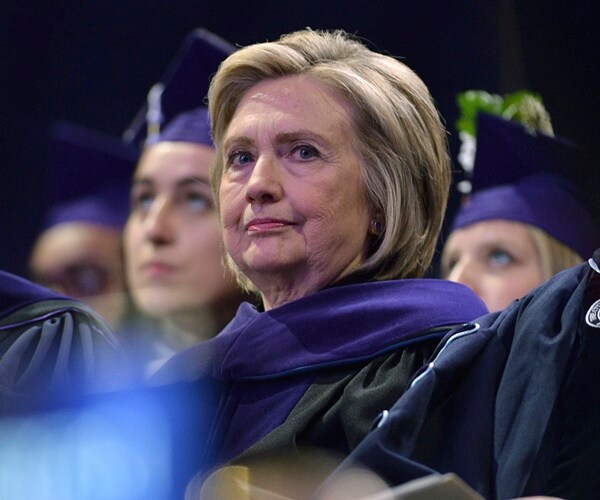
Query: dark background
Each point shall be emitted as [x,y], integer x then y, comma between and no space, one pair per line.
[93,62]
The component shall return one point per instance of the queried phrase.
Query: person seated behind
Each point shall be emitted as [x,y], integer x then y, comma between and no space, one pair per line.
[526,218]
[172,242]
[52,346]
[330,182]
[78,252]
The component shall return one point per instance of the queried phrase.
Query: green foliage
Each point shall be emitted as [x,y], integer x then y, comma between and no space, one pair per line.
[523,106]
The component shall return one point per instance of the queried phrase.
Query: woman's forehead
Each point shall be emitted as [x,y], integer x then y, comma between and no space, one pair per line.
[295,102]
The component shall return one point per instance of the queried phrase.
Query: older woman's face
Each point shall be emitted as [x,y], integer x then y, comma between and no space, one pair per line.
[293,211]
[172,241]
[497,259]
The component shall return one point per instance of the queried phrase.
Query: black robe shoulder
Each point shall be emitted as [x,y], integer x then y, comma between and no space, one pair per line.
[51,344]
[510,403]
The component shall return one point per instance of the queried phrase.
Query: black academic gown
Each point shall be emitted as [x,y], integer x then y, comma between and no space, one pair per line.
[316,371]
[510,402]
[51,345]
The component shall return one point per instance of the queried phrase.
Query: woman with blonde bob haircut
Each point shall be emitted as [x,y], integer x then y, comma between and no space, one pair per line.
[330,180]
[400,140]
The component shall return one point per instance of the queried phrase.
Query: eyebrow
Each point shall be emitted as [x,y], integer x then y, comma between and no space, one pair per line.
[281,138]
[192,180]
[299,134]
[186,181]
[242,141]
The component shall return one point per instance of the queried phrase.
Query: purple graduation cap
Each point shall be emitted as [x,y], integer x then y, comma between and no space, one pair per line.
[191,126]
[182,88]
[533,178]
[90,177]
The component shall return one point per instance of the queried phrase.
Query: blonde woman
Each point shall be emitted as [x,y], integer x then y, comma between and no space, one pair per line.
[525,220]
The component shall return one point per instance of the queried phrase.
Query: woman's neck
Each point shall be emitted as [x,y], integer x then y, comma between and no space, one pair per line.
[186,328]
[277,292]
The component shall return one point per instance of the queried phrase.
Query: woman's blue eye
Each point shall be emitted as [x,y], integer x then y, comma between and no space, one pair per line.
[239,158]
[306,152]
[142,202]
[198,202]
[499,258]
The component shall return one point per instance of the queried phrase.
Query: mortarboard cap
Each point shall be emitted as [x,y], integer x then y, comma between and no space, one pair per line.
[191,126]
[532,178]
[90,177]
[182,88]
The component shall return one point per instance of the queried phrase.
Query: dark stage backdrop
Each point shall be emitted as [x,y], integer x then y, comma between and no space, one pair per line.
[92,63]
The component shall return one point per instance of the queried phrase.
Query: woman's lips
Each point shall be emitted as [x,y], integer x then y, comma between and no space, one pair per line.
[156,269]
[265,224]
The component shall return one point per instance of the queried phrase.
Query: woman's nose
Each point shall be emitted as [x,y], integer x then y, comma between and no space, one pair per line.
[264,184]
[160,225]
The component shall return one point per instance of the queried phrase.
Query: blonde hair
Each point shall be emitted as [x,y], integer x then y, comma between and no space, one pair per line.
[401,141]
[554,255]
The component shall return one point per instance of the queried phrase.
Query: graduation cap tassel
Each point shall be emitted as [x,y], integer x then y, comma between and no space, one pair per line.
[154,115]
[182,88]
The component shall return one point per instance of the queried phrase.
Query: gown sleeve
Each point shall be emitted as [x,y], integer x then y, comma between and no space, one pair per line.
[56,347]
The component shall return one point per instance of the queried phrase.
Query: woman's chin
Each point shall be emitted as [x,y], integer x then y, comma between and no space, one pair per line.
[161,303]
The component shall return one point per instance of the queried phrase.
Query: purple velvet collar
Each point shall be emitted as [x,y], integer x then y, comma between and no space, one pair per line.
[337,325]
